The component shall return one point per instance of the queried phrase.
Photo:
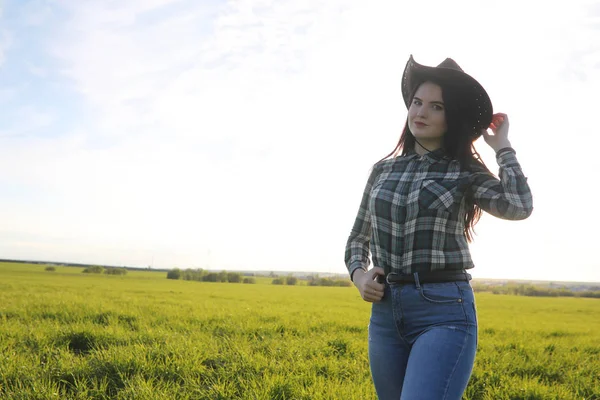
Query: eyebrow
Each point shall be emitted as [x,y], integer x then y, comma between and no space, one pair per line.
[432,102]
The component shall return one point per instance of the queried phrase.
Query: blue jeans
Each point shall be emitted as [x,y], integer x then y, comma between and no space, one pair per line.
[422,341]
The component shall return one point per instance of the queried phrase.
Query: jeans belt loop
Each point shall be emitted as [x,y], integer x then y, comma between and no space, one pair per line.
[417,283]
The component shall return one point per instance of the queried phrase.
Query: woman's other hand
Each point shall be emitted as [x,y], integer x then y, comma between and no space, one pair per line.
[370,290]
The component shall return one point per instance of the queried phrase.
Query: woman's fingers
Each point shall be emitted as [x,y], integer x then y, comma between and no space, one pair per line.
[373,293]
[498,119]
[376,272]
[372,298]
[372,290]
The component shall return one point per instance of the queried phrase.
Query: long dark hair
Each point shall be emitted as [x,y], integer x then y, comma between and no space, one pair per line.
[457,143]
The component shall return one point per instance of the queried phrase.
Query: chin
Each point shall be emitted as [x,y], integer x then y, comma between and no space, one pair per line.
[423,133]
[419,134]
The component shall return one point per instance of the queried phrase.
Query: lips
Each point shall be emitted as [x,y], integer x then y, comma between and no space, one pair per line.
[420,124]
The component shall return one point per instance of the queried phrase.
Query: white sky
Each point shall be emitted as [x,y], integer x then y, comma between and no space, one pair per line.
[239,134]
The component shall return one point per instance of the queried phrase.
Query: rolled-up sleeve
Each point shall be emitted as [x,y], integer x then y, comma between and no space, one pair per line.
[357,246]
[508,197]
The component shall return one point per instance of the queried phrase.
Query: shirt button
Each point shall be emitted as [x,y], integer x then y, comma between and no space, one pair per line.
[459,300]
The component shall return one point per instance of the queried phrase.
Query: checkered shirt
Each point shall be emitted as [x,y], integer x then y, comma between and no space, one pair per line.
[412,213]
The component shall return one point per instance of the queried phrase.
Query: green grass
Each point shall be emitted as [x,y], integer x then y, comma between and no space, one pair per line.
[65,334]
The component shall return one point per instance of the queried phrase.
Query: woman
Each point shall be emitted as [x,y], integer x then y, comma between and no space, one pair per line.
[416,218]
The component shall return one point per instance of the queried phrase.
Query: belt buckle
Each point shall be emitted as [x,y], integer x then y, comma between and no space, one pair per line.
[387,277]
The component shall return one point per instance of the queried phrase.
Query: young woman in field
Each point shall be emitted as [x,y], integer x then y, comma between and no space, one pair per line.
[416,217]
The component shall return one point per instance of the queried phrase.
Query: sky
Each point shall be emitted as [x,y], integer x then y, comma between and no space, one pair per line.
[239,135]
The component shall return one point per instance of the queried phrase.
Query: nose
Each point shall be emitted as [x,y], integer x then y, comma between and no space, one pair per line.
[422,112]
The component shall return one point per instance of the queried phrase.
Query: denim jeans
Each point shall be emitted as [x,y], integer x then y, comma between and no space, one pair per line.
[422,341]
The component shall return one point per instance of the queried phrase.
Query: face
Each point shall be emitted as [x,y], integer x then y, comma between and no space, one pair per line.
[427,115]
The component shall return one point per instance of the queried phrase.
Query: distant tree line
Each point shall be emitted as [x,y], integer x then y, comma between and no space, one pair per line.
[206,276]
[316,281]
[96,269]
[115,271]
[312,281]
[536,291]
[288,280]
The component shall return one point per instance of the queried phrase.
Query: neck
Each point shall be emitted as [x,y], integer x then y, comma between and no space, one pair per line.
[424,146]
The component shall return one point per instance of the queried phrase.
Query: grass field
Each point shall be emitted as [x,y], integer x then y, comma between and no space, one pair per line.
[67,335]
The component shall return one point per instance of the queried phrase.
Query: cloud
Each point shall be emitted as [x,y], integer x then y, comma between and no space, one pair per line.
[7,95]
[35,13]
[583,57]
[179,70]
[37,70]
[26,120]
[5,44]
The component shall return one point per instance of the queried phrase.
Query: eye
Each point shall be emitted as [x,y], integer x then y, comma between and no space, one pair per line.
[437,107]
[417,102]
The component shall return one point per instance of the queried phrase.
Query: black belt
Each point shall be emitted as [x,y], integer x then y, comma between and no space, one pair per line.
[429,277]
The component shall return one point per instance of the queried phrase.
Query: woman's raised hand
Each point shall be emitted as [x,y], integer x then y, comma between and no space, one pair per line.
[499,127]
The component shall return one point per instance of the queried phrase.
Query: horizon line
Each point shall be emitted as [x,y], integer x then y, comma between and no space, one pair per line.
[72,264]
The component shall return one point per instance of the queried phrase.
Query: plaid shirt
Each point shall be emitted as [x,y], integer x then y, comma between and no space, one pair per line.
[411,217]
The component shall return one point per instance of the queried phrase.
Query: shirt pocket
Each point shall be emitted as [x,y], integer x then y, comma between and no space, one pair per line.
[438,194]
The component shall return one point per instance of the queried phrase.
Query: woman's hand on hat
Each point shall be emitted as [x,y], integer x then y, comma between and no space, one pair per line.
[499,127]
[370,290]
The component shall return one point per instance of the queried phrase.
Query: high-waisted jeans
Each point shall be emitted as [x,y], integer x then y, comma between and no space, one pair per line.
[422,341]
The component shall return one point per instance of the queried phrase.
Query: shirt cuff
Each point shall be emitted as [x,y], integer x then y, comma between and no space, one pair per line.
[504,150]
[507,158]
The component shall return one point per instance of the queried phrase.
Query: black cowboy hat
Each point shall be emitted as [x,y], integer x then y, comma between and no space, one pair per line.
[475,102]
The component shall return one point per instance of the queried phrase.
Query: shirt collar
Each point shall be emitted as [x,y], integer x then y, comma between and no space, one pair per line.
[431,156]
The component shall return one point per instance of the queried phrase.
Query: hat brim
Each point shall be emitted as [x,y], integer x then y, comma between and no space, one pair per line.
[476,99]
